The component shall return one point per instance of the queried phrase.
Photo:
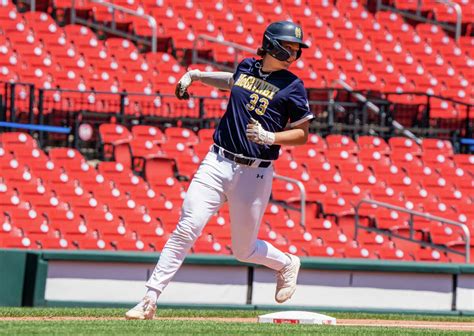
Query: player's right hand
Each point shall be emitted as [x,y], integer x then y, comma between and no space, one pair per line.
[181,90]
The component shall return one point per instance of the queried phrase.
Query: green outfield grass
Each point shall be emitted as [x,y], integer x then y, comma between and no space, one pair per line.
[197,328]
[118,312]
[170,327]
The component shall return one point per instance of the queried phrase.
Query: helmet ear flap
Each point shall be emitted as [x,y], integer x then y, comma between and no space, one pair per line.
[269,43]
[298,54]
[275,49]
[279,52]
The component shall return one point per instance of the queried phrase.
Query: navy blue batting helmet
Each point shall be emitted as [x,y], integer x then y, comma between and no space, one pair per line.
[282,31]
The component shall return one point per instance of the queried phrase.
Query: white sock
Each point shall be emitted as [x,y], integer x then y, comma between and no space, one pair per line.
[153,294]
[287,261]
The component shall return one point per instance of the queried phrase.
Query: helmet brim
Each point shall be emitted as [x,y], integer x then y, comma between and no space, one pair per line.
[292,39]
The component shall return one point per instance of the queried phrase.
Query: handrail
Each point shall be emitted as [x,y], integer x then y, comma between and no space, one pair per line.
[151,20]
[325,123]
[126,93]
[458,10]
[226,43]
[33,5]
[302,189]
[418,7]
[417,16]
[464,227]
[32,127]
[374,108]
[418,93]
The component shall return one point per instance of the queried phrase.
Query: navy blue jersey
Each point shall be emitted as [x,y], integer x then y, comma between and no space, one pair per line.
[274,99]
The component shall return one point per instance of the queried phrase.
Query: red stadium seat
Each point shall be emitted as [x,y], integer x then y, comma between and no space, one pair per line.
[205,135]
[115,139]
[373,240]
[465,161]
[147,132]
[374,143]
[68,158]
[142,150]
[393,254]
[323,251]
[160,171]
[15,240]
[341,141]
[207,245]
[175,148]
[438,146]
[18,139]
[358,252]
[428,254]
[179,134]
[309,151]
[404,145]
[187,165]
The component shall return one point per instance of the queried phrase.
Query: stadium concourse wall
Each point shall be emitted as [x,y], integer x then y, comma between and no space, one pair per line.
[116,279]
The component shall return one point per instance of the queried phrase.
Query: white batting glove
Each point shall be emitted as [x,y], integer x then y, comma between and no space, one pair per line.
[181,90]
[257,134]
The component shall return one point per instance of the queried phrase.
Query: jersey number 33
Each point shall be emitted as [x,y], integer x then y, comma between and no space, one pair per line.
[257,103]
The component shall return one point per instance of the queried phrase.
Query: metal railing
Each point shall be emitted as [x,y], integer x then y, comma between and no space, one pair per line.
[31,3]
[335,109]
[418,17]
[458,10]
[374,108]
[469,120]
[237,47]
[412,213]
[113,29]
[12,90]
[302,189]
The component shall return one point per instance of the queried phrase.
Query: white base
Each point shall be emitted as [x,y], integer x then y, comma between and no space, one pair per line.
[296,317]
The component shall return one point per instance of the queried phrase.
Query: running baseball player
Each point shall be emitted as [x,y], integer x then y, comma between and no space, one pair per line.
[268,107]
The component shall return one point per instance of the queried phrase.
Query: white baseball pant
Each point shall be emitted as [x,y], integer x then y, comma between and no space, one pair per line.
[247,189]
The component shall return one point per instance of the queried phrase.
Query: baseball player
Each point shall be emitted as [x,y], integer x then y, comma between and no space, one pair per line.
[268,107]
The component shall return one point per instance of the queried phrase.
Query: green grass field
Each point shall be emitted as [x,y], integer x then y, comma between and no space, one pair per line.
[118,326]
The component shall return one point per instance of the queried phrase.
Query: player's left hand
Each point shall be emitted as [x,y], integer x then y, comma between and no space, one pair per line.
[257,134]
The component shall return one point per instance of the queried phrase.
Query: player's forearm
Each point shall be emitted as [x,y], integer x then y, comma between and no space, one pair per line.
[218,79]
[291,137]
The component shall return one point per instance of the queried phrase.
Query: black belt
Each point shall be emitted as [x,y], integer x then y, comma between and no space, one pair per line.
[237,159]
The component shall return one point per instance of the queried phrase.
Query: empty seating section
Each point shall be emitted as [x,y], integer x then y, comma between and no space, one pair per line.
[378,52]
[36,50]
[131,200]
[59,200]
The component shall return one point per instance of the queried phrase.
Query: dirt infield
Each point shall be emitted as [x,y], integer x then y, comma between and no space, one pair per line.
[459,326]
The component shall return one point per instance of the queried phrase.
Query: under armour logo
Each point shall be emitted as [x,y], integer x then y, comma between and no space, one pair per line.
[260,176]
